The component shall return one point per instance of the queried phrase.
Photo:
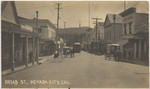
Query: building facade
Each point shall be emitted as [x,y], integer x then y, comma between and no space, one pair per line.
[15,38]
[113,28]
[100,32]
[136,32]
[46,32]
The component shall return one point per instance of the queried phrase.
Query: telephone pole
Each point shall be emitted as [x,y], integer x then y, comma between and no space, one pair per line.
[124,5]
[64,25]
[96,27]
[37,52]
[79,24]
[64,29]
[114,18]
[89,13]
[58,8]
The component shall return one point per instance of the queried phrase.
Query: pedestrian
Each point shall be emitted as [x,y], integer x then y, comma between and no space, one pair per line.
[33,58]
[56,54]
[71,53]
[30,55]
[119,55]
[115,55]
[132,53]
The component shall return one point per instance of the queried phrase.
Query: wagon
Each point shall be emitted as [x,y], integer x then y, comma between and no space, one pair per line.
[111,50]
[77,48]
[66,51]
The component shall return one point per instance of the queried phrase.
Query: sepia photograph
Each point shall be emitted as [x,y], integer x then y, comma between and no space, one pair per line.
[74,44]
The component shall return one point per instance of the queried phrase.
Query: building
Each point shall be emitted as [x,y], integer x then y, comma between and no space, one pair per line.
[15,38]
[46,30]
[100,32]
[136,32]
[113,28]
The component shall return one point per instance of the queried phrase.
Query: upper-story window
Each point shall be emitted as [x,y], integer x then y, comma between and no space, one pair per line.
[130,28]
[125,28]
[39,30]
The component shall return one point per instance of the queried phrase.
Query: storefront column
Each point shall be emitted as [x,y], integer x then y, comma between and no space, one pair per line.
[13,48]
[37,51]
[135,49]
[33,49]
[145,46]
[145,50]
[139,49]
[26,49]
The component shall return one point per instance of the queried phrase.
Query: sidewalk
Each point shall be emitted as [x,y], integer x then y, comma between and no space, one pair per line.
[17,69]
[138,62]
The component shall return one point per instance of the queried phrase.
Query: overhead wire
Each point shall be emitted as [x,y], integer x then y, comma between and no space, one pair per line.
[71,5]
[67,7]
[136,3]
[51,12]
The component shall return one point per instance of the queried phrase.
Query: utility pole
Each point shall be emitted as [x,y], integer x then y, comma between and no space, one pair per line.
[37,52]
[124,5]
[64,29]
[58,8]
[64,25]
[96,27]
[114,18]
[89,13]
[79,24]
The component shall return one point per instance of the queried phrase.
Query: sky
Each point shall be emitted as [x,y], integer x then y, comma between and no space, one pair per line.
[74,11]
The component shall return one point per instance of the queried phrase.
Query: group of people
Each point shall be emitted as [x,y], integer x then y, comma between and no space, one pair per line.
[128,54]
[69,52]
[121,55]
[118,55]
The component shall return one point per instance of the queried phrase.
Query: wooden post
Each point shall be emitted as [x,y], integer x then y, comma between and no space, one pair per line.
[33,50]
[37,52]
[140,49]
[26,49]
[13,47]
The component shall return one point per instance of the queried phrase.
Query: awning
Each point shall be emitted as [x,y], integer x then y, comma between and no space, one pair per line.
[122,42]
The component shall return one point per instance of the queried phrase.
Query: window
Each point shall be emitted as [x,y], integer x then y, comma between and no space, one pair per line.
[39,30]
[125,28]
[130,28]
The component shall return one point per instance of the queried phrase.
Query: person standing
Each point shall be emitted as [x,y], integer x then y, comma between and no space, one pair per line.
[30,55]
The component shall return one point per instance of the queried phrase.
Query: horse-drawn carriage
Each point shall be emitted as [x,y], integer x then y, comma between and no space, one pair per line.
[66,51]
[77,47]
[113,52]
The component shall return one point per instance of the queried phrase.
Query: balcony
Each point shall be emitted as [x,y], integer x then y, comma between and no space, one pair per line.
[132,36]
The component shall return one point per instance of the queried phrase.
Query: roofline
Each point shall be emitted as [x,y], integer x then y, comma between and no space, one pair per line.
[15,11]
[3,6]
[105,19]
[12,3]
[124,12]
[38,20]
[76,27]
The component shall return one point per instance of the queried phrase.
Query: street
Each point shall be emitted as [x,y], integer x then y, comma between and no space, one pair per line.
[85,70]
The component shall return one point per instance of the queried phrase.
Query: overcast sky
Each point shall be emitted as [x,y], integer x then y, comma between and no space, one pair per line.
[74,11]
